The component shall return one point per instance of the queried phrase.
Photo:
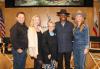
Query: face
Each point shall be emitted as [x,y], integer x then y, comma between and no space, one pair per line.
[36,21]
[62,17]
[79,19]
[51,27]
[20,18]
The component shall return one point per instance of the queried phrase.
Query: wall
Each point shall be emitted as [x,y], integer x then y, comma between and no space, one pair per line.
[10,14]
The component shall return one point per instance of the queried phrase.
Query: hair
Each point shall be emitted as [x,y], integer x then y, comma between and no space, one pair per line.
[20,13]
[82,26]
[50,22]
[33,17]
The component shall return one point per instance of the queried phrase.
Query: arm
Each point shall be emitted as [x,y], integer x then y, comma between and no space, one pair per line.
[87,41]
[45,43]
[14,37]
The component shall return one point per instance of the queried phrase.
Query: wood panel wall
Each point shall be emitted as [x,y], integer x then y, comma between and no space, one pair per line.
[43,12]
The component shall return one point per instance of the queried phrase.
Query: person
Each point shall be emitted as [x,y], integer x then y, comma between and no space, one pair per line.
[19,40]
[35,41]
[64,29]
[81,39]
[50,46]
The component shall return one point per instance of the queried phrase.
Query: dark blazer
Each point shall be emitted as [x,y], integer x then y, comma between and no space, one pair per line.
[18,35]
[49,45]
[64,36]
[40,48]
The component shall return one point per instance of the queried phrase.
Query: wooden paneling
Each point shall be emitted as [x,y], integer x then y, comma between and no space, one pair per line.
[10,14]
[95,45]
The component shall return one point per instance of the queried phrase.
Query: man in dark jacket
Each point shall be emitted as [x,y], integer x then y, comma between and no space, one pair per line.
[19,40]
[64,29]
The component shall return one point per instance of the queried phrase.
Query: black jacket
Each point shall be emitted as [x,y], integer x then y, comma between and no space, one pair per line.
[50,44]
[18,34]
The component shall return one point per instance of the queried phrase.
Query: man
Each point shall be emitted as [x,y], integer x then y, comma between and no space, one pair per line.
[64,29]
[19,40]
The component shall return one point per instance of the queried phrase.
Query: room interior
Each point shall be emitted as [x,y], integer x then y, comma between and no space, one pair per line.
[9,14]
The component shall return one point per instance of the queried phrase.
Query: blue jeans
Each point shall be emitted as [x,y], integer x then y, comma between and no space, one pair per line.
[79,57]
[19,59]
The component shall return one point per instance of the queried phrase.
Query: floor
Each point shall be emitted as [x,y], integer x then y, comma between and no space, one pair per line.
[92,61]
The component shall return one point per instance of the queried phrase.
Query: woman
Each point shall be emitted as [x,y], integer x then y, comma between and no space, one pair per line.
[34,41]
[50,46]
[81,39]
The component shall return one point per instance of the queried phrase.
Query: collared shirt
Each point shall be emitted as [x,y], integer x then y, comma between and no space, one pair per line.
[51,33]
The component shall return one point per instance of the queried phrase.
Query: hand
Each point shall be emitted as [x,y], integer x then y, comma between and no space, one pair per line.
[49,56]
[19,50]
[86,51]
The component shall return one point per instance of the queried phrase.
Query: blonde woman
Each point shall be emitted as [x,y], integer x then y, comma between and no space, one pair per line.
[81,39]
[34,41]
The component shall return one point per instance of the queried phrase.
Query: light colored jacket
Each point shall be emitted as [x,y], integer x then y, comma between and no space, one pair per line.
[32,42]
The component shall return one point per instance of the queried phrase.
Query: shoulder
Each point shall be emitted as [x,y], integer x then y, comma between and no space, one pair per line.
[70,22]
[14,27]
[25,26]
[45,33]
[58,22]
[85,27]
[30,28]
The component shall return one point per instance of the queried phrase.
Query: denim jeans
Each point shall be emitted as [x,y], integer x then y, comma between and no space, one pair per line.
[19,59]
[79,57]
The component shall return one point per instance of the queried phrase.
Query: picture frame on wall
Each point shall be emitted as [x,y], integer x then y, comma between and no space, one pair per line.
[48,3]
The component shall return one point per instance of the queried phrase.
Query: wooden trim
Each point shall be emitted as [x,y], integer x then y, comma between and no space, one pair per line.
[94,47]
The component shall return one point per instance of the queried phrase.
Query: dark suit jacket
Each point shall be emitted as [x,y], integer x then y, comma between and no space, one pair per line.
[18,35]
[64,36]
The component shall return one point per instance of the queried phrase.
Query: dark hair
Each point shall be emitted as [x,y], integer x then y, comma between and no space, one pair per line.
[20,13]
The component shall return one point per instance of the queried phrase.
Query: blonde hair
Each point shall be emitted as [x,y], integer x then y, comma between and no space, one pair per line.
[81,26]
[32,20]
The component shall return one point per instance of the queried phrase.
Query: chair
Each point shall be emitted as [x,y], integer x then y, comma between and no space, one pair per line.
[93,57]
